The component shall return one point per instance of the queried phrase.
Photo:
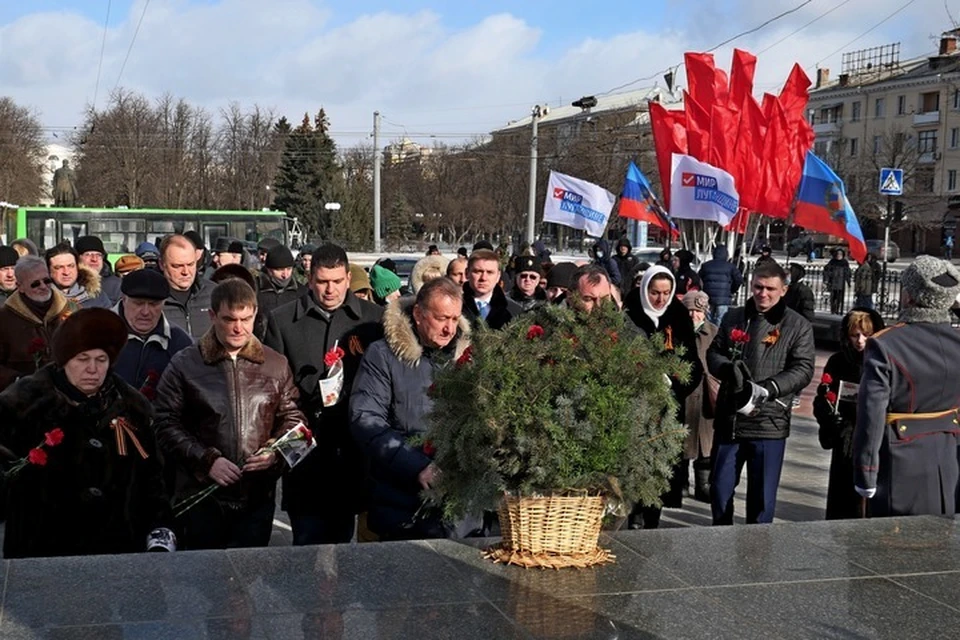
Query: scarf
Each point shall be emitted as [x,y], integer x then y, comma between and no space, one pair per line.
[655,314]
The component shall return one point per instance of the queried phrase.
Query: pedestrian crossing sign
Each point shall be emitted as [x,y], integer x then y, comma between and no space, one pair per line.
[891,182]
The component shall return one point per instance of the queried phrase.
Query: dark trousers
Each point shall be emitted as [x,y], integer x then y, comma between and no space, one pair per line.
[764,462]
[213,525]
[327,528]
[836,302]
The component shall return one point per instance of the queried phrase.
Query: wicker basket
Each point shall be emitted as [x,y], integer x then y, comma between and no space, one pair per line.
[551,532]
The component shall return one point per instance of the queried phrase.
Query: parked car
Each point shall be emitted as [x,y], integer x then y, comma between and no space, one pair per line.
[876,248]
[404,266]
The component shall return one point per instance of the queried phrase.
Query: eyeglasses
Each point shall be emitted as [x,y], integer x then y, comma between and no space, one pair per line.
[36,283]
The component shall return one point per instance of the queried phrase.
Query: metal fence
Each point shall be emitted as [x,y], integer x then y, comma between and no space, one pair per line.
[886,298]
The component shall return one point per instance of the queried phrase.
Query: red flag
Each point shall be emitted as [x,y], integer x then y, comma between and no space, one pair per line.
[698,128]
[740,221]
[724,123]
[721,90]
[794,96]
[748,160]
[701,77]
[741,78]
[669,136]
[776,159]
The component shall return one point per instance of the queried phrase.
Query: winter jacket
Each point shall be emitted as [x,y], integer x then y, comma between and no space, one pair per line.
[301,332]
[863,280]
[89,498]
[836,427]
[699,417]
[502,308]
[625,263]
[783,364]
[193,317]
[677,328]
[110,283]
[604,258]
[6,294]
[211,405]
[271,296]
[720,278]
[836,274]
[388,408]
[25,338]
[87,292]
[687,278]
[144,358]
[528,303]
[905,442]
[799,297]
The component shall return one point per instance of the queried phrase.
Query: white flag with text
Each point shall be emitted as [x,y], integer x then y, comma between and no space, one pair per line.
[578,204]
[701,191]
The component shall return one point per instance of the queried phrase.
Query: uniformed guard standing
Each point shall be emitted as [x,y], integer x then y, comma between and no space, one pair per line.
[905,443]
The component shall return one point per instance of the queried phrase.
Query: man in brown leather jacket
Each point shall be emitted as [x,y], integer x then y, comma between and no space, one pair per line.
[218,403]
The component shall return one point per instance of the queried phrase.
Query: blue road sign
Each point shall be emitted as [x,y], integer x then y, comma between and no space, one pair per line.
[891,182]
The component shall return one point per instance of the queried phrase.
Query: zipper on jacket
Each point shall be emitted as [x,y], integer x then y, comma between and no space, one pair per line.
[237,411]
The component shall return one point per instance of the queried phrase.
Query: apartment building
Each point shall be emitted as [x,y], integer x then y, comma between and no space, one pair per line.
[881,111]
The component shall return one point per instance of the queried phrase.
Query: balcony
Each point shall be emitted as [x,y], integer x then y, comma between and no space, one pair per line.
[828,128]
[930,117]
[928,157]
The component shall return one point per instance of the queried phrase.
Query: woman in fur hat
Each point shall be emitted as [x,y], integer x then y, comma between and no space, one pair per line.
[85,475]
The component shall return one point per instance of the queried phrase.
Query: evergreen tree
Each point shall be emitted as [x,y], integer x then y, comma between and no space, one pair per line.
[309,175]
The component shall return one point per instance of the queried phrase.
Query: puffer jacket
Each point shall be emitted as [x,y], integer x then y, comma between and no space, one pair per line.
[625,263]
[87,291]
[388,408]
[720,278]
[209,405]
[780,354]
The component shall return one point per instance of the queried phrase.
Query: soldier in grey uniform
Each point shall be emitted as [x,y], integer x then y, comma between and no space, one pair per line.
[905,442]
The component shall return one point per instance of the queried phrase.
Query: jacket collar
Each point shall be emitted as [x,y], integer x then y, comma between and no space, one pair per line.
[213,352]
[498,300]
[160,334]
[774,316]
[402,338]
[57,307]
[307,305]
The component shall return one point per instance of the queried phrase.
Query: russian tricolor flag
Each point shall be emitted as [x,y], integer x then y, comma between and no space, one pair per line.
[638,202]
[822,206]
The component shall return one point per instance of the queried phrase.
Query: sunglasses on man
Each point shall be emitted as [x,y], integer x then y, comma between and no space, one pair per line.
[36,283]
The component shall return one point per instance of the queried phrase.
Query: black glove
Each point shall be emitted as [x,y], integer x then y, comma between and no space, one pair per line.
[771,388]
[740,375]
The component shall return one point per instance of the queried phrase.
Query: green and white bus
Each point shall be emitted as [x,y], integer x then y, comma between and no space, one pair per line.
[122,229]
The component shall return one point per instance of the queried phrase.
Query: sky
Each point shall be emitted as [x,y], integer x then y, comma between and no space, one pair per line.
[436,70]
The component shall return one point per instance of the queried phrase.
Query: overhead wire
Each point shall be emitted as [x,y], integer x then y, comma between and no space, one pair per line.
[868,31]
[103,46]
[796,31]
[132,42]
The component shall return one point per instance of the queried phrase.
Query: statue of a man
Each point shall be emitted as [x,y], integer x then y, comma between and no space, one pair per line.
[64,186]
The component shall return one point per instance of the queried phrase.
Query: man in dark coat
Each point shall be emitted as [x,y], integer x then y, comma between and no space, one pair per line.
[219,403]
[188,306]
[80,284]
[151,340]
[653,307]
[687,278]
[799,296]
[766,255]
[527,291]
[28,321]
[720,279]
[603,256]
[838,417]
[836,275]
[276,285]
[389,406]
[483,299]
[92,255]
[323,493]
[905,443]
[8,277]
[626,261]
[763,355]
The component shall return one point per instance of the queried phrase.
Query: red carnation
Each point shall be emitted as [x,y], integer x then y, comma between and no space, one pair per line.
[614,336]
[53,437]
[333,356]
[466,356]
[831,397]
[739,336]
[432,389]
[428,448]
[37,346]
[827,379]
[37,456]
[536,331]
[308,436]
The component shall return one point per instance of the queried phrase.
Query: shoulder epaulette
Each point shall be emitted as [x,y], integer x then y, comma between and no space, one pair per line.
[891,327]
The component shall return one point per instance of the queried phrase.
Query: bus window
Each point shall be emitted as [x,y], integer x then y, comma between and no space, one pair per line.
[160,227]
[213,231]
[271,229]
[121,235]
[70,231]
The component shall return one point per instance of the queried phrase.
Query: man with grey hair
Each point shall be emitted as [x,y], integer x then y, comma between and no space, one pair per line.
[28,320]
[905,442]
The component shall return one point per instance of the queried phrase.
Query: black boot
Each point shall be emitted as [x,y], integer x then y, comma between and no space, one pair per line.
[701,476]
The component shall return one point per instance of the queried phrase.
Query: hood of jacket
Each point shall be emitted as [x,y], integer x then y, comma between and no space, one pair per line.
[402,338]
[601,250]
[89,280]
[655,314]
[427,263]
[623,242]
[720,253]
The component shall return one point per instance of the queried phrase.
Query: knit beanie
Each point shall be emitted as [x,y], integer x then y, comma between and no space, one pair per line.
[359,280]
[933,285]
[8,257]
[279,257]
[696,300]
[383,282]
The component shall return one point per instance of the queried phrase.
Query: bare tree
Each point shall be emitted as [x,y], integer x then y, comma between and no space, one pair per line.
[21,153]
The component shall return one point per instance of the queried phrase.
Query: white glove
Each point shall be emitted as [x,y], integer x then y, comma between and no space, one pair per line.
[866,493]
[162,539]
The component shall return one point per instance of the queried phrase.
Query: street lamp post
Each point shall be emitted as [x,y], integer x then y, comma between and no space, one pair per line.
[536,113]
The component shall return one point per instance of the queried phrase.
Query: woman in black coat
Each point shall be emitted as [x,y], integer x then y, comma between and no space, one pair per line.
[654,308]
[836,426]
[86,478]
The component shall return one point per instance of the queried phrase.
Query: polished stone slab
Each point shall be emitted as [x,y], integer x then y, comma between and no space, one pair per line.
[884,578]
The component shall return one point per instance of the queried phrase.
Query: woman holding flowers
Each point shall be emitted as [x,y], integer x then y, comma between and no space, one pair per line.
[838,417]
[80,458]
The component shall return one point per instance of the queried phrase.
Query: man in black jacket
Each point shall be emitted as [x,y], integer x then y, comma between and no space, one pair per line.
[188,306]
[799,296]
[763,356]
[276,284]
[324,334]
[483,299]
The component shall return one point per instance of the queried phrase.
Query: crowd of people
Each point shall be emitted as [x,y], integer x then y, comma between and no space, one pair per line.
[127,391]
